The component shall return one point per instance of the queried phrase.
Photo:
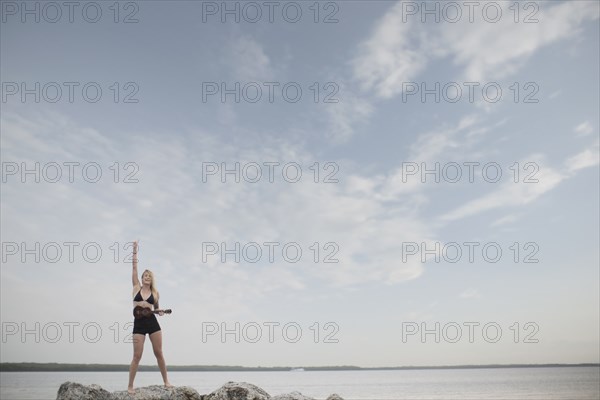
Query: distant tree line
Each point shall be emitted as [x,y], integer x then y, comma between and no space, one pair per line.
[56,367]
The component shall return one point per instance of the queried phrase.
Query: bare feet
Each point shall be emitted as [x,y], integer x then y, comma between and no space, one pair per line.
[130,390]
[167,384]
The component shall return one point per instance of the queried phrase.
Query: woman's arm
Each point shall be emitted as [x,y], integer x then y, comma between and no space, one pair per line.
[134,274]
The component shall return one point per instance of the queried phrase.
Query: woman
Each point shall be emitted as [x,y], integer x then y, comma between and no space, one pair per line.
[147,296]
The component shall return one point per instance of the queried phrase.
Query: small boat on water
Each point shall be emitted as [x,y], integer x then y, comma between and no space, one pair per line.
[297,369]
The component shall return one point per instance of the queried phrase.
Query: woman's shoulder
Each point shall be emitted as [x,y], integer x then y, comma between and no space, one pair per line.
[136,288]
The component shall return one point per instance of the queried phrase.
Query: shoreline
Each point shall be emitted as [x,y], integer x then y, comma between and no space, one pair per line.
[73,367]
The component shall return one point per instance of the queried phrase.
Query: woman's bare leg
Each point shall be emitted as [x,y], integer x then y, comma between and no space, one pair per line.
[156,339]
[138,348]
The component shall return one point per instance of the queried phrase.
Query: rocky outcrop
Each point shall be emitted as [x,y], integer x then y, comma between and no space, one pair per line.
[292,396]
[238,391]
[76,391]
[229,391]
[156,392]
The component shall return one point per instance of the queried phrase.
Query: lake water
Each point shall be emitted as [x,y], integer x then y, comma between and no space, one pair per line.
[571,383]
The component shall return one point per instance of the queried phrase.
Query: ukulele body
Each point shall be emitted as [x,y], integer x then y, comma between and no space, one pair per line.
[144,312]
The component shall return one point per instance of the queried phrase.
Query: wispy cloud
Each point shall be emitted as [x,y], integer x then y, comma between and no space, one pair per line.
[445,143]
[584,159]
[399,50]
[508,219]
[388,57]
[344,116]
[173,212]
[584,129]
[499,50]
[248,60]
[510,194]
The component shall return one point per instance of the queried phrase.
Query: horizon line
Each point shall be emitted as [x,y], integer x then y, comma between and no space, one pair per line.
[93,367]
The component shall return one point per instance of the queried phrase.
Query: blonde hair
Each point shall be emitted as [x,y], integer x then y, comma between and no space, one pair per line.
[152,285]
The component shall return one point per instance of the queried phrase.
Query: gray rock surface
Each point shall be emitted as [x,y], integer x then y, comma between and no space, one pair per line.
[229,391]
[159,392]
[238,391]
[292,396]
[77,391]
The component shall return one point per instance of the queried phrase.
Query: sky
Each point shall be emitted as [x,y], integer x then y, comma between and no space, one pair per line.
[369,183]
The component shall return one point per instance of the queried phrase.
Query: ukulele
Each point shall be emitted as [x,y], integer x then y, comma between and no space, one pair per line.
[144,312]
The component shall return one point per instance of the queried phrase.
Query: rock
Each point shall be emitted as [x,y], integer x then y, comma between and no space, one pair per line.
[291,396]
[229,391]
[77,391]
[238,391]
[159,392]
[300,396]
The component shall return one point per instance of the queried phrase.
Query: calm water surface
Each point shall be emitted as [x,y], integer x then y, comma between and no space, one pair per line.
[572,383]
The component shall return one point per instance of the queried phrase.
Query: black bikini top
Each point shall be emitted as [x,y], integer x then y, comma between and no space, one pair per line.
[138,297]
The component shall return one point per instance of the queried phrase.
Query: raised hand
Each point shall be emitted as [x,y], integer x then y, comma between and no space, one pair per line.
[134,264]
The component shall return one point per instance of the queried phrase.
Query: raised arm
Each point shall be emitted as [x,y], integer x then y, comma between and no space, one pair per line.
[134,274]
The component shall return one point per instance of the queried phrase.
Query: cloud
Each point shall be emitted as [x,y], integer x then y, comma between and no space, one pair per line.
[401,46]
[499,50]
[584,159]
[387,58]
[511,194]
[430,146]
[508,219]
[584,129]
[248,60]
[345,115]
[446,143]
[173,212]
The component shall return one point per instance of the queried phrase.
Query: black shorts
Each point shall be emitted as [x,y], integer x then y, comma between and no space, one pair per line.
[147,325]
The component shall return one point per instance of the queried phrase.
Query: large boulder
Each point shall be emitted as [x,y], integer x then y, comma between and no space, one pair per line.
[77,391]
[159,392]
[238,391]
